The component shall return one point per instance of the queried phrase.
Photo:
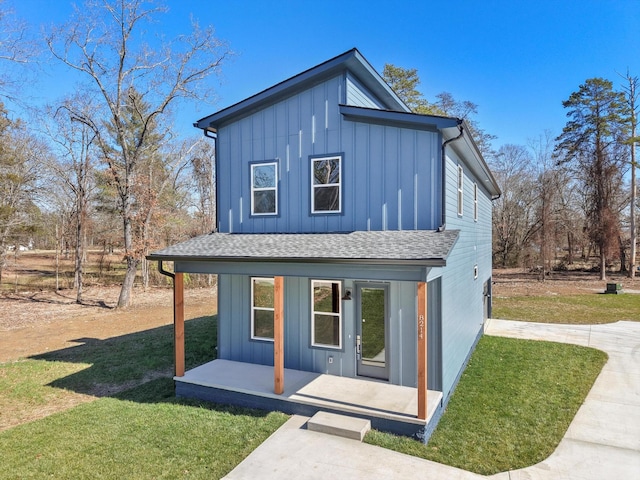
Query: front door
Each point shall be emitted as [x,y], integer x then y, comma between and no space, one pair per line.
[372,330]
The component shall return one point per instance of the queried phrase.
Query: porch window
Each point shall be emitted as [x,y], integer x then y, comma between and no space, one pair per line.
[264,188]
[326,318]
[326,185]
[460,190]
[475,202]
[262,310]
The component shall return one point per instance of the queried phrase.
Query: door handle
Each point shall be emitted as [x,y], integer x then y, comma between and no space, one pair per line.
[358,345]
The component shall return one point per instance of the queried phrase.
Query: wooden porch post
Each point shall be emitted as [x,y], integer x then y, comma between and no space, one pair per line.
[178,323]
[278,335]
[422,350]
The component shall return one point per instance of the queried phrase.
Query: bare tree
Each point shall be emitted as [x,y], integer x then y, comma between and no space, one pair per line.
[547,188]
[631,95]
[21,156]
[16,49]
[104,42]
[514,213]
[159,195]
[74,168]
[203,166]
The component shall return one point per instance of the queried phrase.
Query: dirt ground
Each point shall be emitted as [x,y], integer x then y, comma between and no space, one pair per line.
[517,282]
[42,321]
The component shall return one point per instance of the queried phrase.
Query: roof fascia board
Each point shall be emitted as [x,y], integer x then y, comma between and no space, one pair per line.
[386,117]
[351,60]
[374,81]
[468,150]
[436,262]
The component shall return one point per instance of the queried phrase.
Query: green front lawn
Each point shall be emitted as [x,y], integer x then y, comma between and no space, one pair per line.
[134,431]
[512,406]
[572,309]
[149,435]
[510,410]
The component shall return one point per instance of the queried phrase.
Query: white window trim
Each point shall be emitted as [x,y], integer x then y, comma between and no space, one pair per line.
[264,189]
[254,308]
[313,316]
[460,190]
[475,202]
[324,185]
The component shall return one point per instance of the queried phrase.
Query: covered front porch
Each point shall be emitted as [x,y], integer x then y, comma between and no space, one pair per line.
[327,375]
[389,407]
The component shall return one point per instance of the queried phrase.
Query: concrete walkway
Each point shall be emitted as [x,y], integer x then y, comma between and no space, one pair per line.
[602,442]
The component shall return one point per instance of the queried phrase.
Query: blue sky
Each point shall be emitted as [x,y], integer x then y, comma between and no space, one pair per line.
[517,60]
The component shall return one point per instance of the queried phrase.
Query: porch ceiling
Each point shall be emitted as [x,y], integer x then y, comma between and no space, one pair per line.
[424,248]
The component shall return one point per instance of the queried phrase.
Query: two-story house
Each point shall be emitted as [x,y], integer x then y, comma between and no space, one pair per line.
[353,245]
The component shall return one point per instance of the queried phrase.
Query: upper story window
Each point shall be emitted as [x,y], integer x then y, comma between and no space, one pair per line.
[262,309]
[326,184]
[264,188]
[475,202]
[326,319]
[460,190]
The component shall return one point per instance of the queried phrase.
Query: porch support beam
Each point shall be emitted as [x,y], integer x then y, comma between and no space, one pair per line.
[278,335]
[178,323]
[422,350]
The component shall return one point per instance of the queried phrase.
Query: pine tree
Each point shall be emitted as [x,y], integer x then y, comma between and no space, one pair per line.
[591,145]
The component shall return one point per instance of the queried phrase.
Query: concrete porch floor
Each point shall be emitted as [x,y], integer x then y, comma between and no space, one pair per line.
[248,384]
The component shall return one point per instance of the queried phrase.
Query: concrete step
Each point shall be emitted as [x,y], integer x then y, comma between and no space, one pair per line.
[340,425]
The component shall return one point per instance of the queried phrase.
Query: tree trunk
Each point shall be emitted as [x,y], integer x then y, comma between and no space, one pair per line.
[145,273]
[632,212]
[3,259]
[124,300]
[623,256]
[58,247]
[80,251]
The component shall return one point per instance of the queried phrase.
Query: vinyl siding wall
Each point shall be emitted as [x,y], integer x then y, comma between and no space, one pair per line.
[359,96]
[389,174]
[462,295]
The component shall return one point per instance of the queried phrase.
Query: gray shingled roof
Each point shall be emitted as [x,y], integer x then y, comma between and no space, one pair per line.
[390,247]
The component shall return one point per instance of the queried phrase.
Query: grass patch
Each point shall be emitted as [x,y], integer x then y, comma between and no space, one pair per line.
[571,309]
[121,362]
[512,406]
[115,438]
[140,432]
[26,393]
[46,383]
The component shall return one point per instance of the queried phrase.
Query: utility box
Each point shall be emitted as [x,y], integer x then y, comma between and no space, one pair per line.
[614,288]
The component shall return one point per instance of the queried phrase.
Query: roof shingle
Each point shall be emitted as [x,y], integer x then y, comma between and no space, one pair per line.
[389,246]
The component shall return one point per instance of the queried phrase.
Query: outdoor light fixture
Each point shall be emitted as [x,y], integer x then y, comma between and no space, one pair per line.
[347,295]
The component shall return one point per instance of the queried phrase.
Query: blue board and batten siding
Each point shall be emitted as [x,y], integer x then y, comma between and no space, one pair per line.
[388,172]
[235,343]
[462,294]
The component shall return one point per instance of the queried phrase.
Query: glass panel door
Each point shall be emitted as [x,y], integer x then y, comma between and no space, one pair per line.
[372,331]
